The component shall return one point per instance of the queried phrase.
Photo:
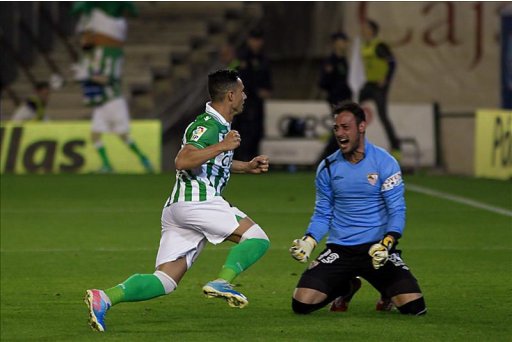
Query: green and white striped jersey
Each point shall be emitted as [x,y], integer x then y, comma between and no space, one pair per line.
[207,181]
[104,61]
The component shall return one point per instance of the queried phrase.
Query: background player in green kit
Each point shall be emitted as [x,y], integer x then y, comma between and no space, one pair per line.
[102,91]
[195,212]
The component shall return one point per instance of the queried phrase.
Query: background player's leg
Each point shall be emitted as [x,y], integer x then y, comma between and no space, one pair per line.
[100,148]
[135,149]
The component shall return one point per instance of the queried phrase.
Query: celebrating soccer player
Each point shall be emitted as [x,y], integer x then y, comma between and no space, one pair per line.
[360,205]
[195,212]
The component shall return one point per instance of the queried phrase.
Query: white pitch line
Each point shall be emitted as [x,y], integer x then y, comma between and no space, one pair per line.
[458,199]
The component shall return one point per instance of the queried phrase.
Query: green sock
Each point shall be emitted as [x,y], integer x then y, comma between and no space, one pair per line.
[242,256]
[103,155]
[137,288]
[133,146]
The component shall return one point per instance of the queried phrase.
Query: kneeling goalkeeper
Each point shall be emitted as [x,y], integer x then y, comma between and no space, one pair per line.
[360,205]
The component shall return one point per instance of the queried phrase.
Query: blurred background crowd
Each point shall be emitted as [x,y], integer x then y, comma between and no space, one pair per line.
[445,54]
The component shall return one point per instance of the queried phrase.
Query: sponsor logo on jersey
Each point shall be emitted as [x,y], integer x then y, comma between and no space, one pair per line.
[372,178]
[198,132]
[392,181]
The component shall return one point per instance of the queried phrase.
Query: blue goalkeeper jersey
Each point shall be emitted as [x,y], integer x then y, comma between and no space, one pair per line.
[358,203]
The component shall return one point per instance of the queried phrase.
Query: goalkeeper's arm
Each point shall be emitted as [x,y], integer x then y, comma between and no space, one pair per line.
[301,248]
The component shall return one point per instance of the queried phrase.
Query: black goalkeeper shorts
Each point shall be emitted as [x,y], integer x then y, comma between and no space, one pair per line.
[331,272]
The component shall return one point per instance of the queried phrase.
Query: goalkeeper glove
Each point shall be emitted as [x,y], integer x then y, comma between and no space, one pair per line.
[301,248]
[380,251]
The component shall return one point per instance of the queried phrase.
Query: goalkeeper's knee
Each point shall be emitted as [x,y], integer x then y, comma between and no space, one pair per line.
[415,307]
[304,309]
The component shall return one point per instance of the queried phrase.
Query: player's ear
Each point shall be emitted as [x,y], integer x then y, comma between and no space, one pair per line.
[362,127]
[230,95]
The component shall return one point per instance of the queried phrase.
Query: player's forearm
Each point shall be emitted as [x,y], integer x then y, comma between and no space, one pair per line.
[188,159]
[320,221]
[396,222]
[396,208]
[317,229]
[239,166]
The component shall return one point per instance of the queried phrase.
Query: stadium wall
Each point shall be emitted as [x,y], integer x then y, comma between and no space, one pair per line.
[297,131]
[447,52]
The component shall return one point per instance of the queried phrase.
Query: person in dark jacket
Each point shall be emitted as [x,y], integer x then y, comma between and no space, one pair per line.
[254,69]
[334,80]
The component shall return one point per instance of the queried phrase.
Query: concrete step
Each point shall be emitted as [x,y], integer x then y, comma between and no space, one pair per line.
[147,55]
[185,9]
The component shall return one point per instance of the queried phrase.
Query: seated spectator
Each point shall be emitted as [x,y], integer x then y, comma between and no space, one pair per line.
[34,107]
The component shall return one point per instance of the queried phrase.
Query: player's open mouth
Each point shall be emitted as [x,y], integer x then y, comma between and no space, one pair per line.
[343,142]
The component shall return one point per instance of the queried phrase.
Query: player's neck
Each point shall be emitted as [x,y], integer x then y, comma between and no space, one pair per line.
[357,154]
[354,157]
[223,110]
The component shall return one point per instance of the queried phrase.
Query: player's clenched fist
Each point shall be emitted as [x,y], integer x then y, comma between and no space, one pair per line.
[380,251]
[301,248]
[258,164]
[232,140]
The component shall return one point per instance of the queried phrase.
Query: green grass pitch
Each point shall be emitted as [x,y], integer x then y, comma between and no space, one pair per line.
[63,234]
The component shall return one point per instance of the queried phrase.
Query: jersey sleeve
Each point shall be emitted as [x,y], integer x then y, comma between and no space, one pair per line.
[202,135]
[392,189]
[322,215]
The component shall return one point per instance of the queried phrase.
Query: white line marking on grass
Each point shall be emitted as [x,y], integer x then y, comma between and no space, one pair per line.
[458,199]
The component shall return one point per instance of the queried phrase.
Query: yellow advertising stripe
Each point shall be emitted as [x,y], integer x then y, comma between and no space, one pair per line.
[65,146]
[493,144]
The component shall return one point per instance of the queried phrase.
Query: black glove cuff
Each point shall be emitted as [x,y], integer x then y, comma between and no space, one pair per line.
[311,236]
[386,241]
[395,235]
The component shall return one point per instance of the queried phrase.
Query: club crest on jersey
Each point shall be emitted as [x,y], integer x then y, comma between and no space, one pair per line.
[372,178]
[198,132]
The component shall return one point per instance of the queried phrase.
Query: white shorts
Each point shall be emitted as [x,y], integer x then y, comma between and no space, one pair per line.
[113,116]
[100,22]
[186,226]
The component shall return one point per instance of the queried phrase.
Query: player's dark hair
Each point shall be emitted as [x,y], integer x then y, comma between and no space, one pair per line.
[374,26]
[353,108]
[220,82]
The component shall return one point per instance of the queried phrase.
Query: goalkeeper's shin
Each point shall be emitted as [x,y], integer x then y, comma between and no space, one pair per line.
[304,309]
[415,307]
